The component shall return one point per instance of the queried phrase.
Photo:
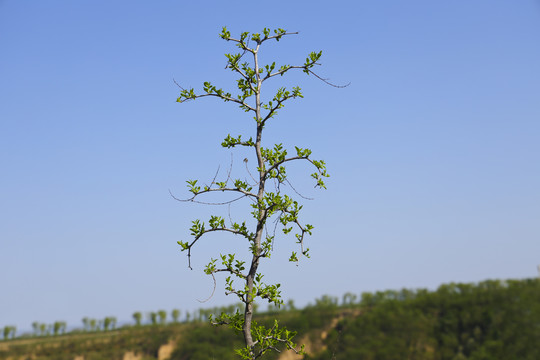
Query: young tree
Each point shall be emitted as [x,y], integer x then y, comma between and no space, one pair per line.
[269,193]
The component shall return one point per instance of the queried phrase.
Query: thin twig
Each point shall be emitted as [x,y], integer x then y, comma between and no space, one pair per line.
[213,291]
[230,170]
[328,82]
[177,84]
[246,163]
[215,176]
[297,193]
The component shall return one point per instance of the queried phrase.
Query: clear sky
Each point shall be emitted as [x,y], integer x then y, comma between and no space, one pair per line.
[433,150]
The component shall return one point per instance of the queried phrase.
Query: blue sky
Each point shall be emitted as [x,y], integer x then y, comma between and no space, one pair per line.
[433,149]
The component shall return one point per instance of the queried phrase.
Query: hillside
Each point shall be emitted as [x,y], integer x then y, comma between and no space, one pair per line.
[489,320]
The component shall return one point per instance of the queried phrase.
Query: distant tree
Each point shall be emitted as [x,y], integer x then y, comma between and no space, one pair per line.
[138,317]
[326,301]
[57,327]
[188,316]
[93,324]
[106,323]
[202,314]
[9,332]
[43,329]
[113,322]
[367,299]
[6,332]
[152,316]
[162,316]
[35,327]
[175,314]
[86,323]
[348,299]
[290,305]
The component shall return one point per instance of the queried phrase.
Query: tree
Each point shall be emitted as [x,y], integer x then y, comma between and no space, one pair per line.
[106,323]
[152,316]
[43,329]
[86,323]
[35,327]
[113,322]
[290,305]
[137,316]
[93,325]
[270,193]
[9,331]
[58,326]
[162,316]
[175,314]
[348,299]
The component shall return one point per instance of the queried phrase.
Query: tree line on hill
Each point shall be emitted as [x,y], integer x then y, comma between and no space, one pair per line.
[492,320]
[108,323]
[486,321]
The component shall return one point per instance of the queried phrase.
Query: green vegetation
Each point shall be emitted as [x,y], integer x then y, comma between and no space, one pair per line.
[490,320]
[111,345]
[9,332]
[269,192]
